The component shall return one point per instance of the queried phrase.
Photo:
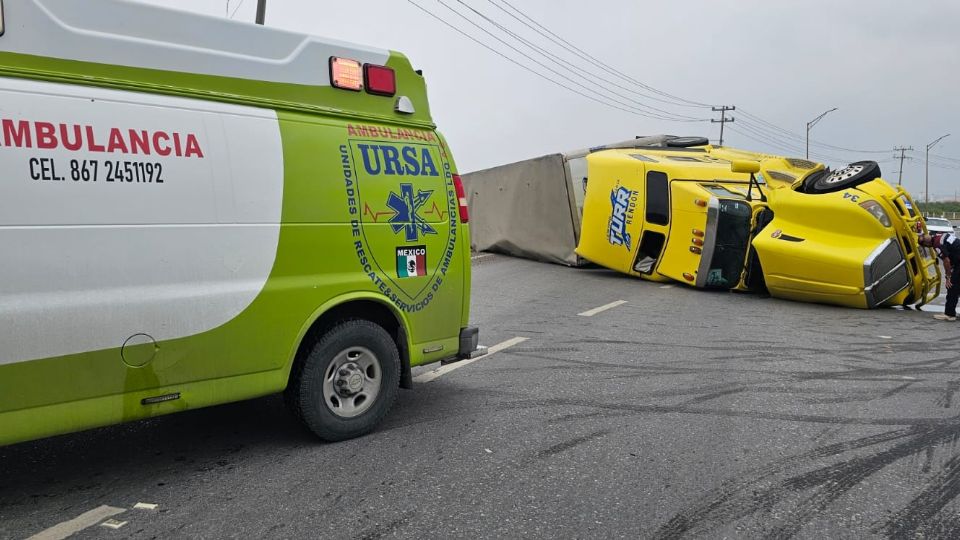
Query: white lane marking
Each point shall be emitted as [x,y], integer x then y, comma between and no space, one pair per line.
[478,257]
[594,311]
[442,370]
[885,337]
[77,524]
[113,524]
[145,506]
[666,286]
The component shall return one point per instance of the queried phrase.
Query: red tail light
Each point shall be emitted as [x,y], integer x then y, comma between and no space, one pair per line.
[461,199]
[380,80]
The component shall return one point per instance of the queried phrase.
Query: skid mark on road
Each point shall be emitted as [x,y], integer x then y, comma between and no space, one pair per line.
[715,395]
[951,390]
[803,482]
[766,487]
[567,445]
[386,529]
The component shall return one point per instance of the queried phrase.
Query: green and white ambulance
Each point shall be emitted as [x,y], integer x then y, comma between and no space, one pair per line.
[196,211]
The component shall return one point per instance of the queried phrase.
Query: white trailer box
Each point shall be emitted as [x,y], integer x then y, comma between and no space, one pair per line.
[532,208]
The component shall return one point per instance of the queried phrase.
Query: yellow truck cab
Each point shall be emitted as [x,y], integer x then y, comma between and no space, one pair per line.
[722,218]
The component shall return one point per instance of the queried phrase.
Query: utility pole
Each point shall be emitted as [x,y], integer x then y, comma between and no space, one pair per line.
[902,150]
[261,11]
[723,118]
[926,163]
[812,123]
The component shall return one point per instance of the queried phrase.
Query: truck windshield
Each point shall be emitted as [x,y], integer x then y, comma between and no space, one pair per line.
[730,250]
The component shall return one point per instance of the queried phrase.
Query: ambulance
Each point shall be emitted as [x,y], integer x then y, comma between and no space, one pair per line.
[195,211]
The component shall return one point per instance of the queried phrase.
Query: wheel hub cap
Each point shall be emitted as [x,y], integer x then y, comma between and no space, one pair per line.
[349,380]
[844,174]
[351,383]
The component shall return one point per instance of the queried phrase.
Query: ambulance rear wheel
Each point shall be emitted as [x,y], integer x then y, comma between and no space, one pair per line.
[346,381]
[850,176]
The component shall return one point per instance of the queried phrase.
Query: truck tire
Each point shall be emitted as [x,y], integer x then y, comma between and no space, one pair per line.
[346,380]
[852,175]
[687,142]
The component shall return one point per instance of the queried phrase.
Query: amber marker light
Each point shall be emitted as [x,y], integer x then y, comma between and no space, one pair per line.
[700,202]
[695,249]
[697,242]
[346,74]
[688,277]
[698,233]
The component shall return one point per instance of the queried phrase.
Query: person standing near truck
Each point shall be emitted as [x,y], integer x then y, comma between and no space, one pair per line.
[948,248]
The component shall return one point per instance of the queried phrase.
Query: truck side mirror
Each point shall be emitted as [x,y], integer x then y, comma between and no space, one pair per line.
[751,167]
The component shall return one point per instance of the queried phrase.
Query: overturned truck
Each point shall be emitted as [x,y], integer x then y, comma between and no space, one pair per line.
[678,209]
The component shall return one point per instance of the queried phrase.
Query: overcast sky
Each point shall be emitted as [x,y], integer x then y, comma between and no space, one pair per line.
[892,69]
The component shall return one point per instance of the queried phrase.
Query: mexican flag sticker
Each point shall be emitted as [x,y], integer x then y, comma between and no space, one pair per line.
[411,261]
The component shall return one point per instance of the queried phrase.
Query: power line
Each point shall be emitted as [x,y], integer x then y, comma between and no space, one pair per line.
[760,139]
[606,100]
[945,158]
[794,147]
[583,55]
[850,154]
[579,72]
[519,64]
[240,5]
[798,137]
[760,127]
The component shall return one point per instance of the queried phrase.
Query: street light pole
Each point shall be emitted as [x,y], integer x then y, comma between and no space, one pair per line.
[926,164]
[812,123]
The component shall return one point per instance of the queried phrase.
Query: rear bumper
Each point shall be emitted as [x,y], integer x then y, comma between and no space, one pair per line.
[470,343]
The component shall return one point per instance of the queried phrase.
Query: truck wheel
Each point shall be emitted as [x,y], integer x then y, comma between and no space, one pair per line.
[852,175]
[346,381]
[687,142]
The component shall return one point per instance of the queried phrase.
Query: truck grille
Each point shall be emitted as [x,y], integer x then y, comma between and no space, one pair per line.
[884,273]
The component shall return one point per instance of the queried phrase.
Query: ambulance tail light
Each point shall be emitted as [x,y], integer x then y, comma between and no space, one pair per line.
[346,74]
[379,80]
[461,199]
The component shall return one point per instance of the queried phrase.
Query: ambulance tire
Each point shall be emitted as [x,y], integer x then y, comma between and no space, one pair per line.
[351,349]
[850,176]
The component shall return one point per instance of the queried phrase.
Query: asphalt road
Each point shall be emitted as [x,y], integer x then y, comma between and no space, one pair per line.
[679,413]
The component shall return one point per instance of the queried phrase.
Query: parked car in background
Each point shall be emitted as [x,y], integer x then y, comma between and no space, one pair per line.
[938,225]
